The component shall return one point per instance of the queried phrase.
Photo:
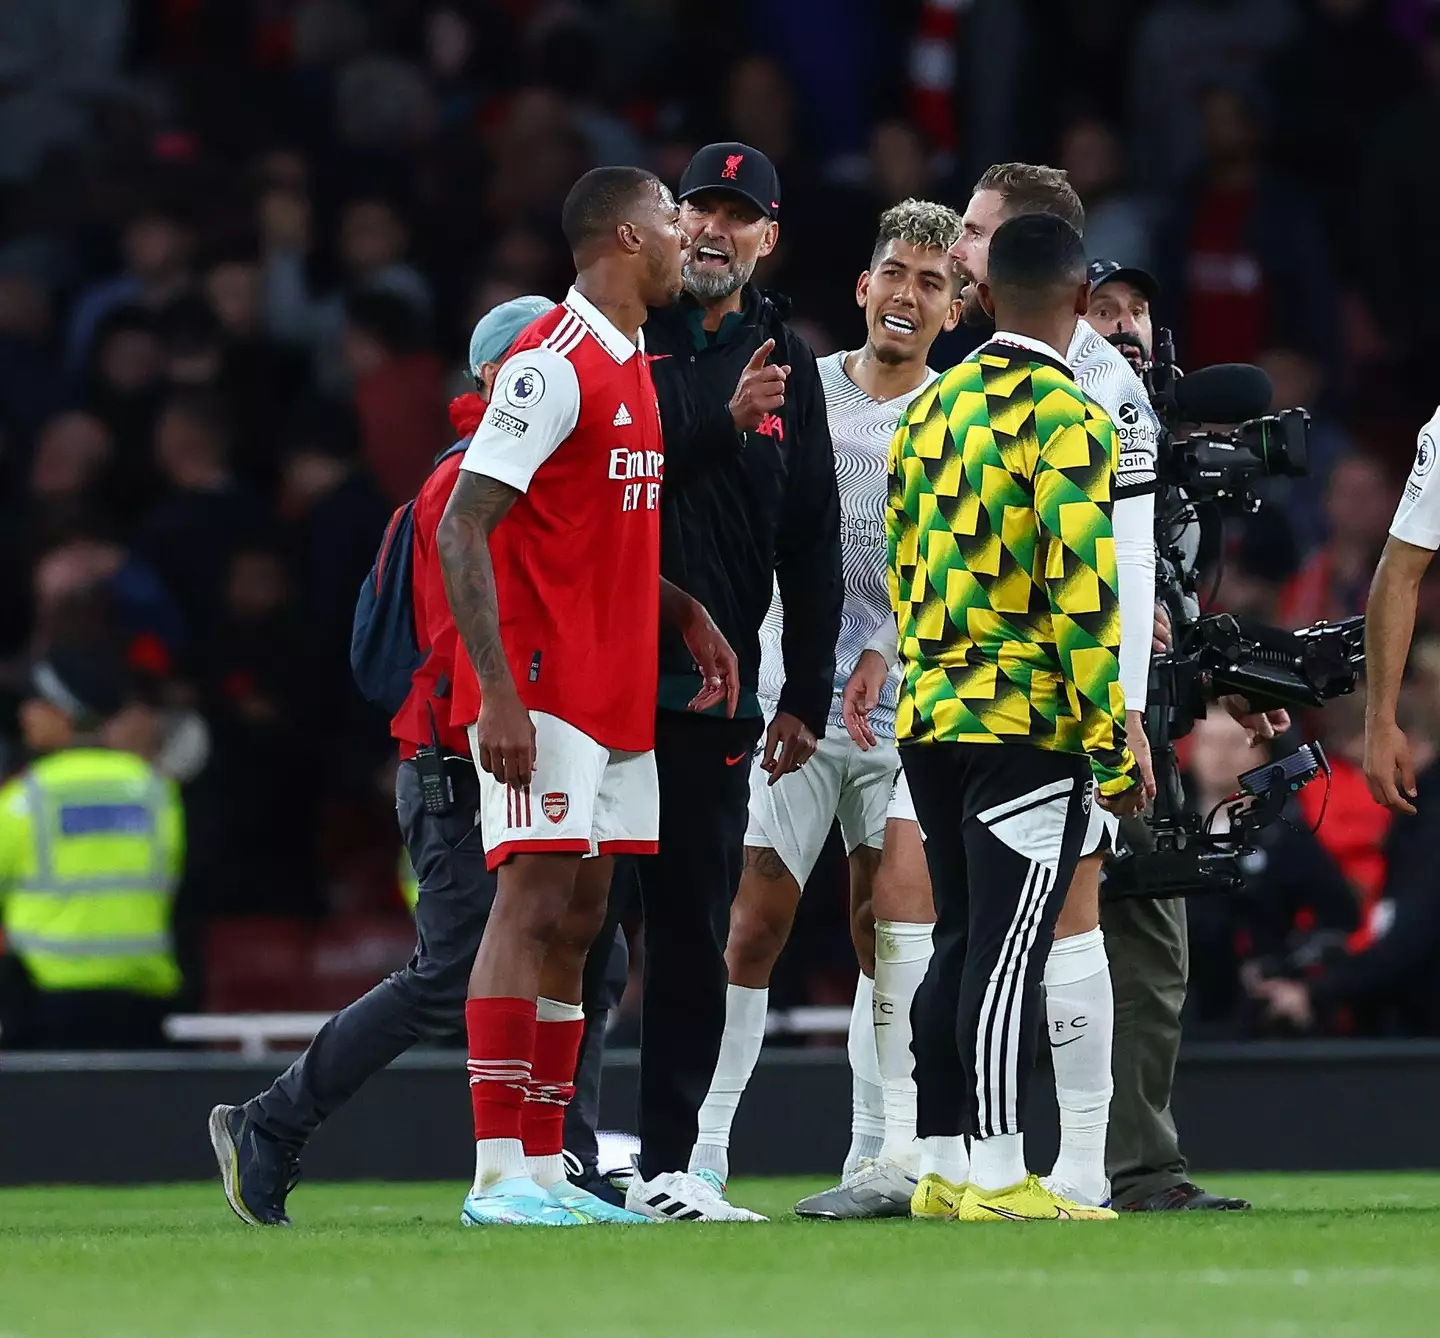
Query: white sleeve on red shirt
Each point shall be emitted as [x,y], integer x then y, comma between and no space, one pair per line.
[1417,518]
[533,408]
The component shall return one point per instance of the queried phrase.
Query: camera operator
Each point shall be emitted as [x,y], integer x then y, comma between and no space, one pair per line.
[1120,298]
[1146,939]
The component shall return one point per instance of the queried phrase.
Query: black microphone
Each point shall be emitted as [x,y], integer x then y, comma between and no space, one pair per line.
[1230,392]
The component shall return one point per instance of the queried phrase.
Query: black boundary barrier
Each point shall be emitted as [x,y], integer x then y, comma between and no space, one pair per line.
[130,1119]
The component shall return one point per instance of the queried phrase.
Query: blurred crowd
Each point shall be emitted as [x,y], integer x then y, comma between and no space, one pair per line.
[244,242]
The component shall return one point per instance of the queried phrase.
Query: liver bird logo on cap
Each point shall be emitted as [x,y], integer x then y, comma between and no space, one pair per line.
[732,166]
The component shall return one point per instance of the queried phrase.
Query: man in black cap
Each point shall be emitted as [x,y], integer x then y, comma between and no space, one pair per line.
[749,503]
[1120,298]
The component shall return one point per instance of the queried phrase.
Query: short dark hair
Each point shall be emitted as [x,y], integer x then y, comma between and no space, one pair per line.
[1033,255]
[599,201]
[1029,188]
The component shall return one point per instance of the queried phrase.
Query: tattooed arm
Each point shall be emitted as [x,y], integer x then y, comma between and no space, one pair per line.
[506,734]
[535,407]
[463,542]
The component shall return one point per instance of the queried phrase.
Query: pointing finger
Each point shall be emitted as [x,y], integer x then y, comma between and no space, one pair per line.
[757,359]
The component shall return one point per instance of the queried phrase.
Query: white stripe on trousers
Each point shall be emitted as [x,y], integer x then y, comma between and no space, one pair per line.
[997,1034]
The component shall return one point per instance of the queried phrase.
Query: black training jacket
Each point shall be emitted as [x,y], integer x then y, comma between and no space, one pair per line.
[741,509]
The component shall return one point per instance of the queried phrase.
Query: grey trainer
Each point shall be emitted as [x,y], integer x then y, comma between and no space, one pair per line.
[877,1187]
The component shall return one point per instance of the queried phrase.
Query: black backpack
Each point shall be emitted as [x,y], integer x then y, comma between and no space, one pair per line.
[384,652]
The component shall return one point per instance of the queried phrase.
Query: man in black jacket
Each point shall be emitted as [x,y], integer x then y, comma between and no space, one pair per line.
[753,505]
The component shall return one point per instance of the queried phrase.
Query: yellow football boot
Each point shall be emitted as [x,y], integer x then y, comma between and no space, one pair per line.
[935,1199]
[1029,1201]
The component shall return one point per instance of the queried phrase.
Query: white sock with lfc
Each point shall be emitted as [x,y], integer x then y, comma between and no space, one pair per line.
[745,1011]
[867,1098]
[902,953]
[1080,1013]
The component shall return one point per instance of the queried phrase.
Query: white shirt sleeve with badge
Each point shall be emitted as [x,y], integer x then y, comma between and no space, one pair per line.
[1104,374]
[533,408]
[1417,518]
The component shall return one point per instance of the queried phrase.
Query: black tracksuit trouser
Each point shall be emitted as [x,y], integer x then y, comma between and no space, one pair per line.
[684,895]
[425,1000]
[1004,825]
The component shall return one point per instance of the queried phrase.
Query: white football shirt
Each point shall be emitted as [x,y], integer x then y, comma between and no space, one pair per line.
[1417,518]
[861,430]
[1105,374]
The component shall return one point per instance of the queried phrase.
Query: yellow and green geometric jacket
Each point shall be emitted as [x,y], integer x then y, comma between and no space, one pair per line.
[1002,562]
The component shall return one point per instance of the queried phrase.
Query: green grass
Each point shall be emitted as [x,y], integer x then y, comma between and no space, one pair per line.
[1321,1255]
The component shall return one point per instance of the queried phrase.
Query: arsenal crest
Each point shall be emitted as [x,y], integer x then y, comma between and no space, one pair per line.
[555,805]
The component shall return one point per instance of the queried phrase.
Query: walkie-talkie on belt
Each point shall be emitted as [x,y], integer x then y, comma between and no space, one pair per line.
[437,790]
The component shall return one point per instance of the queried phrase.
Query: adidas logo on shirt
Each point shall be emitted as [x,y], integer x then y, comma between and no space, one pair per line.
[622,416]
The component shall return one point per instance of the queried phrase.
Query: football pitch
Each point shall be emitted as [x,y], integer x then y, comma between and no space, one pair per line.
[1321,1255]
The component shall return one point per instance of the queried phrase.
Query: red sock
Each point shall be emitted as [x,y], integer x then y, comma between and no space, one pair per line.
[501,1033]
[552,1084]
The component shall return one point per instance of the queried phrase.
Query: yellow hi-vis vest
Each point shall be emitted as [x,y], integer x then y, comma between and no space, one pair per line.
[92,843]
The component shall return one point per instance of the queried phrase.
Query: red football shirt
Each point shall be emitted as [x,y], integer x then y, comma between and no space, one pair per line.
[574,425]
[1229,298]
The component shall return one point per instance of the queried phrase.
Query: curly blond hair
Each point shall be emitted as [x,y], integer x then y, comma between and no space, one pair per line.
[919,222]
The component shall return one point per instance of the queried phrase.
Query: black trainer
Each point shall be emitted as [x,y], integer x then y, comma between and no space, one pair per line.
[1184,1198]
[589,1178]
[256,1171]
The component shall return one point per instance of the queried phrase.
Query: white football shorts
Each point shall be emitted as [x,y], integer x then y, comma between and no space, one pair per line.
[842,780]
[1100,833]
[583,799]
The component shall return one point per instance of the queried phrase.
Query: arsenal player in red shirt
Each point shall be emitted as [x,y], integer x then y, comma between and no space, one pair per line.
[258,1144]
[550,546]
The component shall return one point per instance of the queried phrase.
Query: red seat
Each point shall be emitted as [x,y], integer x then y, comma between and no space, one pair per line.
[354,952]
[257,964]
